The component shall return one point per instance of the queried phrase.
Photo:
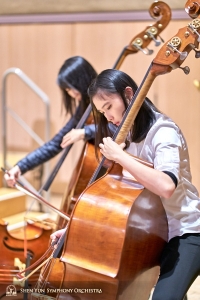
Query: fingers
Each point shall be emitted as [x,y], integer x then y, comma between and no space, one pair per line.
[107,140]
[67,139]
[54,242]
[54,239]
[11,181]
[110,149]
[57,234]
[65,142]
[122,145]
[101,145]
[73,136]
[12,175]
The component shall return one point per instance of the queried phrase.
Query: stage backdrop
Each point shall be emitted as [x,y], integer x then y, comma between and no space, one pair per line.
[74,6]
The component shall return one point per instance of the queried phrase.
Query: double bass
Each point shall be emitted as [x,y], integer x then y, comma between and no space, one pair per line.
[14,257]
[87,162]
[117,229]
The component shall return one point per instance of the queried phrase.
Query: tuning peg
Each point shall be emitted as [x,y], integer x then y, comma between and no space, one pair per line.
[183,55]
[173,44]
[197,53]
[186,70]
[193,26]
[138,43]
[157,42]
[147,51]
[151,32]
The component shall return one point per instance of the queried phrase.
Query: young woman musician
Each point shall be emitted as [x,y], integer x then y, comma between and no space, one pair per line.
[74,77]
[155,138]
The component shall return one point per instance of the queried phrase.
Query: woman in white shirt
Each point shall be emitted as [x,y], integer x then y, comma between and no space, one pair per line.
[157,139]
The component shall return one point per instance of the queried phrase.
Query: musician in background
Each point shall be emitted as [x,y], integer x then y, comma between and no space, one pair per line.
[74,77]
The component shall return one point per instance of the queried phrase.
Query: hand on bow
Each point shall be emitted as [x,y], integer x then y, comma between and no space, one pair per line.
[55,236]
[12,175]
[73,136]
[110,149]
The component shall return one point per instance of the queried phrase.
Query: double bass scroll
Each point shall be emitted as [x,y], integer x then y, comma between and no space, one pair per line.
[158,10]
[192,8]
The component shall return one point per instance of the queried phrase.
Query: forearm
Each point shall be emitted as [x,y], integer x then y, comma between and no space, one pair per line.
[49,149]
[154,180]
[38,157]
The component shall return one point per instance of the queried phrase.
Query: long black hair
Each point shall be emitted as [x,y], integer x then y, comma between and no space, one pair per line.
[113,81]
[76,72]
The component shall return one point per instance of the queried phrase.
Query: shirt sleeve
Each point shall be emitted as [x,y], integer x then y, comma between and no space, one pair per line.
[89,132]
[49,149]
[166,143]
[172,176]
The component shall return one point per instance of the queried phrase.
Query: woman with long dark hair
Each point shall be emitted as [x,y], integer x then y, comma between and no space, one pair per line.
[154,138]
[74,78]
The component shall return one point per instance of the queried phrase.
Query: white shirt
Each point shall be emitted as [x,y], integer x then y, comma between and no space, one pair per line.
[165,147]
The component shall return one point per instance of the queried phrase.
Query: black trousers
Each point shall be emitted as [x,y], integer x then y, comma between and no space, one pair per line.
[180,266]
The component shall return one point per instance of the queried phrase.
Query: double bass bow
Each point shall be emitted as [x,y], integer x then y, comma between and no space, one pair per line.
[116,233]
